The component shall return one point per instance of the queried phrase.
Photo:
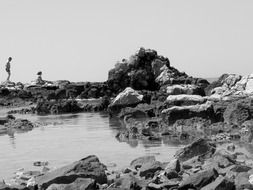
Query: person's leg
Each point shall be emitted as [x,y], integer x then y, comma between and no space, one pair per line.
[9,75]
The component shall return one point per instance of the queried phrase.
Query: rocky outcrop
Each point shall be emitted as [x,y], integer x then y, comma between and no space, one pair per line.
[88,168]
[147,70]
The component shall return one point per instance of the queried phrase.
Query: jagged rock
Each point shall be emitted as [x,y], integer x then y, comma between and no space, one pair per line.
[198,147]
[78,184]
[172,114]
[198,180]
[89,167]
[184,100]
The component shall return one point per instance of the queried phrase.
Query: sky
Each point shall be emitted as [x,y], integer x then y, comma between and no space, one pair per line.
[81,40]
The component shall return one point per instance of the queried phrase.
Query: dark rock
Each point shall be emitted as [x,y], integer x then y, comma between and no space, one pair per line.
[221,183]
[148,170]
[198,147]
[88,167]
[78,184]
[198,180]
[128,182]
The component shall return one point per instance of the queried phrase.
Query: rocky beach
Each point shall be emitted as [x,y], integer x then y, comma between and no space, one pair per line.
[152,100]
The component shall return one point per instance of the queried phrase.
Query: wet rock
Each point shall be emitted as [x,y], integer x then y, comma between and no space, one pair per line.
[148,169]
[78,184]
[198,180]
[198,147]
[88,167]
[138,162]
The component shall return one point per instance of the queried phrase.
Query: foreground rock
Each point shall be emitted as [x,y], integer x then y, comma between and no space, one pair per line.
[89,167]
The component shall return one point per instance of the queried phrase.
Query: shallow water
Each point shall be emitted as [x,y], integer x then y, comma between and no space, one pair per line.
[71,137]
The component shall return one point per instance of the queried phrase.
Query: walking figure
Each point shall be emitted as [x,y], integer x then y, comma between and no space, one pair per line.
[8,68]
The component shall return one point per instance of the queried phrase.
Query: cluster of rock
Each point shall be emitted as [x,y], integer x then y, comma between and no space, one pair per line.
[200,165]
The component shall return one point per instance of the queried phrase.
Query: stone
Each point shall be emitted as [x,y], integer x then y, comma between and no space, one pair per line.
[128,181]
[148,169]
[184,89]
[128,97]
[89,167]
[198,147]
[242,181]
[173,165]
[172,114]
[138,162]
[198,180]
[220,183]
[238,112]
[78,184]
[184,100]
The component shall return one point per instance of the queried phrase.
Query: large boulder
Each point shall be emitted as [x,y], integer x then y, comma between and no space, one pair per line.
[89,167]
[128,98]
[198,147]
[172,114]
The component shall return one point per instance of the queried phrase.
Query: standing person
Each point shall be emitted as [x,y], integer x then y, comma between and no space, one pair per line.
[8,68]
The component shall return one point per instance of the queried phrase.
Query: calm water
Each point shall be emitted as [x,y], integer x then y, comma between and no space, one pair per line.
[72,137]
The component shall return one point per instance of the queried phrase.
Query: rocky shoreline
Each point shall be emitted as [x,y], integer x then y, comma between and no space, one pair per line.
[153,99]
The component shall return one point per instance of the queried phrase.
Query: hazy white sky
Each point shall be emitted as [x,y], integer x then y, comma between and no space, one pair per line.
[81,40]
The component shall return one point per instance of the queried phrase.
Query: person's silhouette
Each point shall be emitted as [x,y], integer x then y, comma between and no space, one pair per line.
[8,68]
